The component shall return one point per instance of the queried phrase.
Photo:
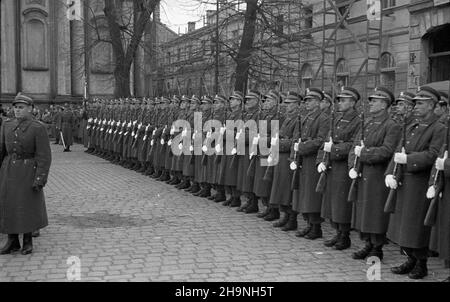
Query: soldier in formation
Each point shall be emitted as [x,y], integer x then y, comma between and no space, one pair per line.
[326,160]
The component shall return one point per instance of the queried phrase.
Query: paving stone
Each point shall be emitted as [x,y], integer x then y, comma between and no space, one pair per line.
[124,226]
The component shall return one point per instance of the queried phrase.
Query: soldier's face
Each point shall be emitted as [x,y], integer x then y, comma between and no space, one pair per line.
[403,107]
[234,102]
[344,104]
[376,105]
[312,104]
[269,104]
[251,102]
[423,108]
[324,105]
[22,110]
[440,110]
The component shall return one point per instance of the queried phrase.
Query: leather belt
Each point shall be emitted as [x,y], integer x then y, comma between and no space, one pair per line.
[16,156]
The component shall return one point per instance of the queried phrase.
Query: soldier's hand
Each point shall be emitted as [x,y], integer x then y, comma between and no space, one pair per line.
[431,192]
[440,162]
[400,158]
[321,168]
[353,174]
[390,182]
[358,150]
[327,146]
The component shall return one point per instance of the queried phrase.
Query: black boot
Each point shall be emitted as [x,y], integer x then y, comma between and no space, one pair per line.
[364,252]
[303,232]
[265,213]
[236,202]
[315,233]
[27,244]
[36,234]
[195,188]
[282,221]
[404,268]
[274,214]
[206,192]
[332,242]
[227,202]
[420,270]
[244,206]
[253,206]
[220,196]
[12,245]
[291,225]
[187,184]
[343,242]
[377,251]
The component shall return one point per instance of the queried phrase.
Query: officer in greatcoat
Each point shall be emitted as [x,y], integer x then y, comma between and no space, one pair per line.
[313,132]
[25,158]
[280,200]
[381,137]
[335,207]
[424,139]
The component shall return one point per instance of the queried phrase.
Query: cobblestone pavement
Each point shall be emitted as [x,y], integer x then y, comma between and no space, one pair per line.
[126,227]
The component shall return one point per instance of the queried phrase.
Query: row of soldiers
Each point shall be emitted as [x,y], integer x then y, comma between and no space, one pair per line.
[333,154]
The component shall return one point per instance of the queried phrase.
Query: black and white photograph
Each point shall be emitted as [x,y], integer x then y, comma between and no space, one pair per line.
[224,147]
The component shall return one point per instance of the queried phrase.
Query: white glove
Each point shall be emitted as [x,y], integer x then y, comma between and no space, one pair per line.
[431,192]
[358,151]
[274,140]
[353,174]
[218,148]
[440,161]
[321,168]
[222,130]
[327,146]
[400,157]
[390,182]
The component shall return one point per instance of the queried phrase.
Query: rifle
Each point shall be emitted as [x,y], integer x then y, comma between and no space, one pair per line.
[254,146]
[389,207]
[268,175]
[219,157]
[296,165]
[438,185]
[207,142]
[322,183]
[234,159]
[353,191]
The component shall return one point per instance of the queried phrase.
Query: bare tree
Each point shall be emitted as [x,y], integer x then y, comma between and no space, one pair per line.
[125,53]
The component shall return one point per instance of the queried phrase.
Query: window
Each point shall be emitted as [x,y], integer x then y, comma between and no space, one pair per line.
[168,58]
[387,68]
[308,18]
[342,73]
[438,43]
[306,75]
[279,21]
[35,45]
[387,3]
[189,52]
[179,54]
[343,11]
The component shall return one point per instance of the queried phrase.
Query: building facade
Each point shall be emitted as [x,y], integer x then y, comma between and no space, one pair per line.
[43,53]
[414,48]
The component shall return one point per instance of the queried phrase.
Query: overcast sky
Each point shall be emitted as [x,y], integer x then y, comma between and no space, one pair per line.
[177,13]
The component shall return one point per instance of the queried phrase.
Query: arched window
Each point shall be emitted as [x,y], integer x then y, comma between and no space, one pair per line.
[387,69]
[306,75]
[342,73]
[102,54]
[35,39]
